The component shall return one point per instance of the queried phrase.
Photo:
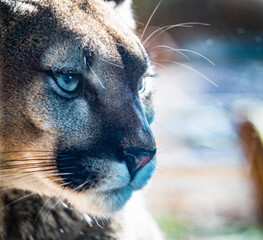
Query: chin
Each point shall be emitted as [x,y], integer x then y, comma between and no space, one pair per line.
[106,203]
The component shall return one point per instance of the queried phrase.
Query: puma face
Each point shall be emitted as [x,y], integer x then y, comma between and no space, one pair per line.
[76,103]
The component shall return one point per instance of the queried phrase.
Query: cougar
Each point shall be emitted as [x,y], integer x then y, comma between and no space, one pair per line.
[76,105]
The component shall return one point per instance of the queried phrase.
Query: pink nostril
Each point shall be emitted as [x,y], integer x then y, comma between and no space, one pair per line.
[138,159]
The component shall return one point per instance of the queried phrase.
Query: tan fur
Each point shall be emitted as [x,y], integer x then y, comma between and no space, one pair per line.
[44,128]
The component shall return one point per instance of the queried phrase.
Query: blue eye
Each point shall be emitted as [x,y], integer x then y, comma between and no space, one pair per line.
[142,86]
[67,82]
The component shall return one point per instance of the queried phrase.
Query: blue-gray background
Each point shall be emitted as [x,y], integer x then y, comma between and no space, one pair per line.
[202,188]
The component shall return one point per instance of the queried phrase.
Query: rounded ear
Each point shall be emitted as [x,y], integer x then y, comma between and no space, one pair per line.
[124,8]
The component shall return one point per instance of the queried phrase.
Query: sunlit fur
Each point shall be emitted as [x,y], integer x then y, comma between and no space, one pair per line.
[49,137]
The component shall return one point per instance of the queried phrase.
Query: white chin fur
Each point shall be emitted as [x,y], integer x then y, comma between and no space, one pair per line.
[101,204]
[105,203]
[109,197]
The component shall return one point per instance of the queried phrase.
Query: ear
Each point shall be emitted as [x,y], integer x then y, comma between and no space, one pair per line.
[124,9]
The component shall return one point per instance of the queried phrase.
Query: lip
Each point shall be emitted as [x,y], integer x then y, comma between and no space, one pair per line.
[105,202]
[117,198]
[143,176]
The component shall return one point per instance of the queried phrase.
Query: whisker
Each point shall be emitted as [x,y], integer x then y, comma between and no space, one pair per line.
[196,53]
[185,66]
[33,164]
[96,77]
[52,208]
[18,151]
[7,176]
[81,185]
[178,50]
[173,49]
[33,181]
[27,158]
[25,163]
[95,219]
[36,159]
[163,29]
[150,18]
[25,168]
[64,184]
[84,82]
[59,153]
[164,185]
[111,63]
[45,203]
[29,166]
[158,64]
[30,181]
[88,219]
[47,215]
[19,199]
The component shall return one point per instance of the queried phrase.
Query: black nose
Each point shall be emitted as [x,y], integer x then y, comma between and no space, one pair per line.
[137,158]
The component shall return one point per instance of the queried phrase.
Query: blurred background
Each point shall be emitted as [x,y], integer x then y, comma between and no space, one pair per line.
[208,104]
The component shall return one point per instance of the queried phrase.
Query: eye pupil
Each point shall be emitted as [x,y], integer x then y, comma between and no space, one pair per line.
[67,79]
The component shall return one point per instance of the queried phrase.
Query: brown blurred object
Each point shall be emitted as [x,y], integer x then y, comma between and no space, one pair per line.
[251,133]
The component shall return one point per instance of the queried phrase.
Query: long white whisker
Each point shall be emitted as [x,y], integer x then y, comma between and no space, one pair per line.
[46,202]
[185,66]
[44,206]
[173,49]
[47,215]
[21,198]
[149,20]
[158,64]
[50,169]
[95,219]
[168,27]
[88,219]
[32,181]
[9,176]
[80,186]
[179,50]
[162,28]
[111,63]
[96,76]
[196,53]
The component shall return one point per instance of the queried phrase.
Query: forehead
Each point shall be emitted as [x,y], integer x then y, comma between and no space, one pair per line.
[63,30]
[93,28]
[86,19]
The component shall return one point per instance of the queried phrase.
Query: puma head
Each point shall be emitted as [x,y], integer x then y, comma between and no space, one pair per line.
[76,102]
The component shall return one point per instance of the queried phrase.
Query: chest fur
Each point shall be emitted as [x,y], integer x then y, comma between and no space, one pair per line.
[42,218]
